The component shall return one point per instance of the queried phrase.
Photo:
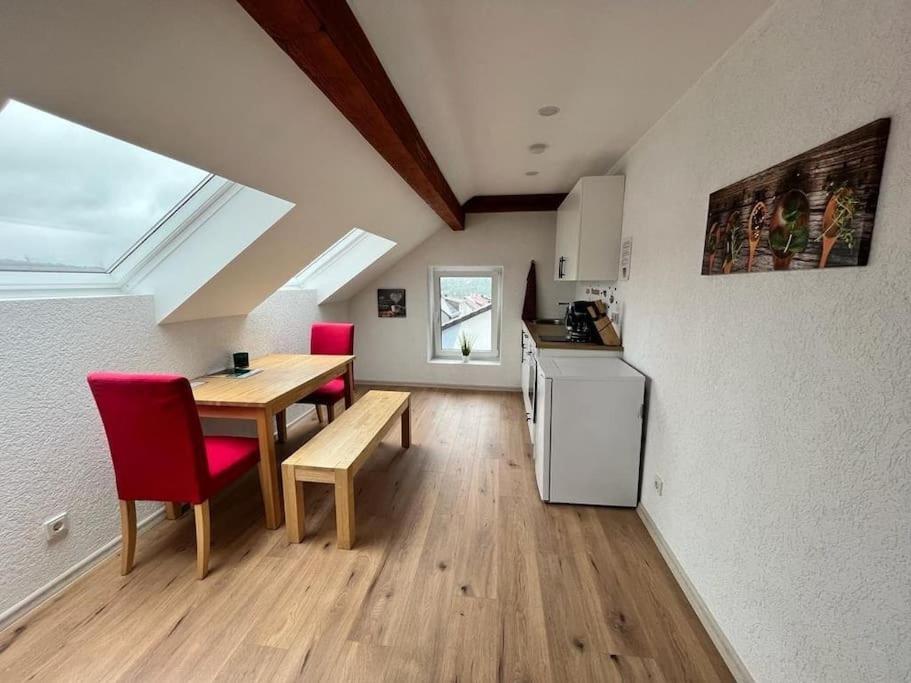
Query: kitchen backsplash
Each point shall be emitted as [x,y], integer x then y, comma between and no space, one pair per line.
[607,292]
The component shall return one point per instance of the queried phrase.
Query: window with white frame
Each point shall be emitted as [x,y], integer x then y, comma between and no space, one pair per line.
[465,305]
[81,209]
[344,260]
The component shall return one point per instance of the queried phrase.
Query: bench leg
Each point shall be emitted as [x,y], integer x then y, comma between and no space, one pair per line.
[294,505]
[344,508]
[330,412]
[406,427]
[281,425]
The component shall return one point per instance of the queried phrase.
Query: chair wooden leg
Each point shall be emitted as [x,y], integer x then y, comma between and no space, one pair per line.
[319,413]
[172,510]
[294,505]
[330,412]
[128,529]
[406,427]
[281,423]
[203,538]
[344,508]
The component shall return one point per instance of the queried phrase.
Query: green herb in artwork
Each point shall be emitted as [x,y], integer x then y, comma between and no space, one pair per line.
[735,237]
[793,235]
[713,239]
[845,206]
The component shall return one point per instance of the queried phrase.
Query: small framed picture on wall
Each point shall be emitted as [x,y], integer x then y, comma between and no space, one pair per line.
[390,303]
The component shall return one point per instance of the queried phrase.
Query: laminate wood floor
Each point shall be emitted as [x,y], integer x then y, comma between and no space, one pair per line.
[460,573]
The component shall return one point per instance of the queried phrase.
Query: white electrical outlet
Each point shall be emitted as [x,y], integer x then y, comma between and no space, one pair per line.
[659,485]
[56,526]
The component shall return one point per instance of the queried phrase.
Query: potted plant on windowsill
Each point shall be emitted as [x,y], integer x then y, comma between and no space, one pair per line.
[465,344]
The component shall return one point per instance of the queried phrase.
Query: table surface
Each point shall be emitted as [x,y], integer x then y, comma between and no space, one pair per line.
[282,374]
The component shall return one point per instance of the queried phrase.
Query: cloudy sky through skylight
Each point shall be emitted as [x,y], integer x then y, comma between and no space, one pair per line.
[75,199]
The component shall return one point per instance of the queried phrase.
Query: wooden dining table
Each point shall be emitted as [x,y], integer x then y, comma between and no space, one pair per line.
[283,380]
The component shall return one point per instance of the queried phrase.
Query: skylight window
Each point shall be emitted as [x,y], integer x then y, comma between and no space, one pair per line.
[73,200]
[340,263]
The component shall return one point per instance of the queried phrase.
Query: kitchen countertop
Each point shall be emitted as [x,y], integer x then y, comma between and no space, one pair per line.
[537,329]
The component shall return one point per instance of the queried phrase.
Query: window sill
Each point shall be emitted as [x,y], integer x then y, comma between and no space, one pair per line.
[459,361]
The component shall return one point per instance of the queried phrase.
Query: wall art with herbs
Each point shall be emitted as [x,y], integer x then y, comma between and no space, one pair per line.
[813,211]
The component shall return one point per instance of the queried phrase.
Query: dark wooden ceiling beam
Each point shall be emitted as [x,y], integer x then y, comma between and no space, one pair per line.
[325,40]
[502,203]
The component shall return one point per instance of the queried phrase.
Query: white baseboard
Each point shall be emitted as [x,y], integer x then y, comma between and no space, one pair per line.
[728,653]
[307,413]
[85,565]
[70,576]
[437,385]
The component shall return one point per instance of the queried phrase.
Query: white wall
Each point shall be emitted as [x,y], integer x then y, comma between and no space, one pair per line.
[395,349]
[53,453]
[780,403]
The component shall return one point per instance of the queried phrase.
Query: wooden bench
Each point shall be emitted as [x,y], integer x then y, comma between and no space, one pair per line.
[335,455]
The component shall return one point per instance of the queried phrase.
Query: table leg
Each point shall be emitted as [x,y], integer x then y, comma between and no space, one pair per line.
[173,510]
[268,471]
[349,385]
[281,424]
[406,427]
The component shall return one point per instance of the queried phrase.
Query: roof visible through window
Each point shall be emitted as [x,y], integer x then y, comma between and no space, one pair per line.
[76,200]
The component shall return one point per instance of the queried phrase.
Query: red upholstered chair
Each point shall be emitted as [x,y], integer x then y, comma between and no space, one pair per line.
[330,339]
[326,339]
[159,452]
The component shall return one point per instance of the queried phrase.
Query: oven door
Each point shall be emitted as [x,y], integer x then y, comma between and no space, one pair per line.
[525,377]
[541,428]
[529,386]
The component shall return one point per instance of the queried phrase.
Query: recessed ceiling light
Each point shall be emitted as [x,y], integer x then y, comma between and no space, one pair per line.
[549,110]
[537,148]
[531,173]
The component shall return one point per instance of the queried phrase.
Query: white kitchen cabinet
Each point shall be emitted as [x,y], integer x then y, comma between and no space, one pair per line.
[589,224]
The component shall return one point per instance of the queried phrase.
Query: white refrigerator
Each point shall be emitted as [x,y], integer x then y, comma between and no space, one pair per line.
[588,431]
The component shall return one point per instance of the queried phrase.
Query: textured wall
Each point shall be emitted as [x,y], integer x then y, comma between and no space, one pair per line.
[395,349]
[53,454]
[780,405]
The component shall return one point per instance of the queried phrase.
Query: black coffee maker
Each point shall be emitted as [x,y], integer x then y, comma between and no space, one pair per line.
[579,324]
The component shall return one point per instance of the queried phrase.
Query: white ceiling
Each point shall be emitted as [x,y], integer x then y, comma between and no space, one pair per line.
[473,74]
[202,82]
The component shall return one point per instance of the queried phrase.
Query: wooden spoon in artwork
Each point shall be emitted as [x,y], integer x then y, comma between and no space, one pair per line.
[838,214]
[758,218]
[712,245]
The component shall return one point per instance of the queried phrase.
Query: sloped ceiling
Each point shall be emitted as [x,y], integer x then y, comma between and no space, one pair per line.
[201,82]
